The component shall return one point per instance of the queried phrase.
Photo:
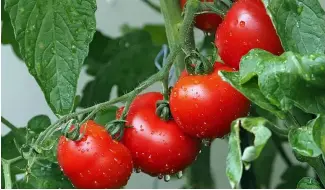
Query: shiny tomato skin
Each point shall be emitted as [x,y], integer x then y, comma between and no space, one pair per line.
[96,161]
[245,27]
[207,22]
[204,106]
[158,147]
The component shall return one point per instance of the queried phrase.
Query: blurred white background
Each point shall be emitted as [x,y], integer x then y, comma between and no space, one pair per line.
[21,98]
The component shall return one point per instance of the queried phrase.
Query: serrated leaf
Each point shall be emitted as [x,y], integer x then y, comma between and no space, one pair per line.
[53,37]
[299,23]
[47,175]
[302,142]
[291,177]
[281,79]
[308,183]
[199,174]
[7,32]
[319,132]
[124,62]
[105,116]
[235,158]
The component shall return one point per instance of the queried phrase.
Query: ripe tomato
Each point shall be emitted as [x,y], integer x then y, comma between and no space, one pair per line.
[207,22]
[204,105]
[245,27]
[96,161]
[158,147]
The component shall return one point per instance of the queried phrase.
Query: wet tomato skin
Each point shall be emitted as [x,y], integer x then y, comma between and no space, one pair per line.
[158,147]
[246,26]
[204,106]
[207,22]
[96,161]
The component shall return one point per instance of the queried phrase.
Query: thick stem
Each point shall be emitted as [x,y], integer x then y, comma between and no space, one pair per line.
[6,170]
[172,16]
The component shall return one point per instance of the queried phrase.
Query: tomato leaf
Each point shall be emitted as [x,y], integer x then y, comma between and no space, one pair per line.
[299,23]
[53,37]
[36,125]
[302,142]
[308,183]
[199,175]
[235,158]
[105,116]
[281,79]
[125,62]
[7,32]
[319,132]
[291,177]
[46,175]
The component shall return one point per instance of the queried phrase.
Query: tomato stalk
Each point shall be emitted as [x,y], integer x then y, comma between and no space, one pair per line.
[6,170]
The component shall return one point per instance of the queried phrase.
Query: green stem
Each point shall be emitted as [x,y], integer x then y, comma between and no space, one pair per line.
[152,5]
[319,167]
[6,170]
[172,15]
[8,124]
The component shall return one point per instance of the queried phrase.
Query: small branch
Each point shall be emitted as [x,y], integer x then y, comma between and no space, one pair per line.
[152,5]
[8,124]
[278,145]
[6,170]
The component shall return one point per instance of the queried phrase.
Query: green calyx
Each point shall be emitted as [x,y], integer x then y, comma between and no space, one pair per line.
[196,64]
[116,128]
[162,110]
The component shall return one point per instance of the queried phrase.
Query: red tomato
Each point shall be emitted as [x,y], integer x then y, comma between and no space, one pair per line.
[245,27]
[204,105]
[96,161]
[207,22]
[157,147]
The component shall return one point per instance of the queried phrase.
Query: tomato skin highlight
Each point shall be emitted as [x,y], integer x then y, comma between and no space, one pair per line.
[207,22]
[95,161]
[245,27]
[204,106]
[158,147]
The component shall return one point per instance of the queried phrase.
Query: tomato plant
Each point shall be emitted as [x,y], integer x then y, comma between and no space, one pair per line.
[102,161]
[264,96]
[245,27]
[198,102]
[158,147]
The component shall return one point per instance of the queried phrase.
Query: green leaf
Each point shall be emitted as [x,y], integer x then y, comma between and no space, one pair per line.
[198,175]
[291,177]
[282,79]
[47,175]
[308,183]
[251,91]
[319,132]
[235,159]
[299,23]
[53,37]
[302,142]
[156,31]
[107,115]
[124,62]
[7,32]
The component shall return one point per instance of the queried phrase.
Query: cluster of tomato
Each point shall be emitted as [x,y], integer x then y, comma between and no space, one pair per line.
[202,107]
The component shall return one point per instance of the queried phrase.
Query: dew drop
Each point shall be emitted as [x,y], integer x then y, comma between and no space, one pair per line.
[167,178]
[179,174]
[137,170]
[160,176]
[206,142]
[73,49]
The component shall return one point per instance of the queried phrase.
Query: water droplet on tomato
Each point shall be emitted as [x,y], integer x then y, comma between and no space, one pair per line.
[179,174]
[242,24]
[160,176]
[167,178]
[137,170]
